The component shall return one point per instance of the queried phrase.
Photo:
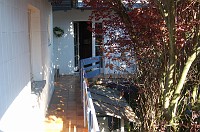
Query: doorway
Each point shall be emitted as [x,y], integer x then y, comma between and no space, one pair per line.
[82,42]
[34,31]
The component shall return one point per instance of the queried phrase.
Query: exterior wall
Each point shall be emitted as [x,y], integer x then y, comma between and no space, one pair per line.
[16,100]
[124,68]
[64,46]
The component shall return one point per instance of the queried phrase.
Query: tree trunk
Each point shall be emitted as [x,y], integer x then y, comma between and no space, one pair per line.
[170,21]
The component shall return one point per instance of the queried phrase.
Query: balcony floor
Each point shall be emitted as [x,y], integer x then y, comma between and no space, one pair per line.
[65,113]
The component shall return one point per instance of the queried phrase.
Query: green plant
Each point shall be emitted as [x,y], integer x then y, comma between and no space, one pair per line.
[58,32]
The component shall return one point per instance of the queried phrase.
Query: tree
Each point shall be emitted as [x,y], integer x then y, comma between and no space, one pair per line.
[164,37]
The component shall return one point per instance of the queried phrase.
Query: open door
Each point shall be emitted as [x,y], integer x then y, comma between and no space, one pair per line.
[82,42]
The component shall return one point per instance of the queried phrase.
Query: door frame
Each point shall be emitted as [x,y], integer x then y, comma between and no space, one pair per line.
[77,44]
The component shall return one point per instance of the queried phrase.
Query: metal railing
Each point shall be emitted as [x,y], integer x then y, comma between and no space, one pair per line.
[90,67]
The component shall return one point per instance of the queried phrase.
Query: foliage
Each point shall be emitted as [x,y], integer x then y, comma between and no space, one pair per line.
[163,37]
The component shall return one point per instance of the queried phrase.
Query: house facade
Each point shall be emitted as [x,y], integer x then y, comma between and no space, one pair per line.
[76,43]
[26,52]
[79,43]
[30,53]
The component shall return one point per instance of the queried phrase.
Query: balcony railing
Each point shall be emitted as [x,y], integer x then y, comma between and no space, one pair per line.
[65,5]
[90,67]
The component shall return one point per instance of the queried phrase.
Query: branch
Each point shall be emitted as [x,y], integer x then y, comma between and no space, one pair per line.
[121,11]
[190,60]
[161,8]
[178,90]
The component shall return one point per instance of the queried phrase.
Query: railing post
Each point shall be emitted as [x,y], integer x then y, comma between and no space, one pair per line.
[84,105]
[122,125]
[83,90]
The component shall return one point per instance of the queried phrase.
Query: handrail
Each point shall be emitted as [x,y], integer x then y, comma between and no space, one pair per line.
[91,66]
[89,111]
[89,69]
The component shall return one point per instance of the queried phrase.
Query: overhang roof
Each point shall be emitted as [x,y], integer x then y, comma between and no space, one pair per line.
[107,101]
[64,5]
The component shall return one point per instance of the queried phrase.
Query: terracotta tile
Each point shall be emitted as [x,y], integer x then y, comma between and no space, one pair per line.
[79,106]
[79,118]
[66,103]
[71,109]
[70,113]
[72,103]
[79,114]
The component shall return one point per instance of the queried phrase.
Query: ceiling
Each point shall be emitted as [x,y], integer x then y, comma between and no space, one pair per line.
[59,5]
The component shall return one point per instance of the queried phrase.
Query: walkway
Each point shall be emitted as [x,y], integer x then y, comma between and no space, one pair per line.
[65,112]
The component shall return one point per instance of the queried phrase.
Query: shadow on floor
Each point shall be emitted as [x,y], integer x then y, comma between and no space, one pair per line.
[65,113]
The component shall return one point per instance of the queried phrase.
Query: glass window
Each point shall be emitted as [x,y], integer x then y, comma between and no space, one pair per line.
[98,39]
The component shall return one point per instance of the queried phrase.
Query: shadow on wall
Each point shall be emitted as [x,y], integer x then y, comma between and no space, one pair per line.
[63,55]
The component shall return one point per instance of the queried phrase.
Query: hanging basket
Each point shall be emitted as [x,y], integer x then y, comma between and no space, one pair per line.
[58,32]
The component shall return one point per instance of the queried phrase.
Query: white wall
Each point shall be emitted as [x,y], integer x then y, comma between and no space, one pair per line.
[15,87]
[120,67]
[64,46]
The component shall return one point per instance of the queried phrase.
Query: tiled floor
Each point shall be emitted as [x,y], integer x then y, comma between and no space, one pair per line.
[65,112]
